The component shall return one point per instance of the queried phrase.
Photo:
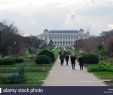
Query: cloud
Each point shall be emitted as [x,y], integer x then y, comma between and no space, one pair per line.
[110,26]
[33,16]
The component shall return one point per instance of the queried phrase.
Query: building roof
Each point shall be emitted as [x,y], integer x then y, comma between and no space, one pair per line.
[63,31]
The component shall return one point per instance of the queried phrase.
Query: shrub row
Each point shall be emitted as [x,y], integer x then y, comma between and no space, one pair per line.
[105,66]
[19,60]
[91,58]
[102,66]
[13,78]
[10,61]
[7,61]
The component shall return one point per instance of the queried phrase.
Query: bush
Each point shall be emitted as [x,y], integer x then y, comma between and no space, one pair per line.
[102,66]
[21,70]
[19,60]
[105,66]
[13,78]
[91,58]
[94,69]
[43,59]
[10,60]
[49,54]
[7,61]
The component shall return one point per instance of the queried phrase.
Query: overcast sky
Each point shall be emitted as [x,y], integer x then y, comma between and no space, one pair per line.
[33,16]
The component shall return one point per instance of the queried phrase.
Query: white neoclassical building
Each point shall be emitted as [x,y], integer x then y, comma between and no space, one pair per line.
[63,37]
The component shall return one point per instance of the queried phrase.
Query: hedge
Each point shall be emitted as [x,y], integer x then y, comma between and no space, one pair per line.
[10,61]
[49,54]
[7,61]
[91,58]
[43,59]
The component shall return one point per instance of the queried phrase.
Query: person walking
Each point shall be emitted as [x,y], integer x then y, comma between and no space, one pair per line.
[73,58]
[67,58]
[62,57]
[81,62]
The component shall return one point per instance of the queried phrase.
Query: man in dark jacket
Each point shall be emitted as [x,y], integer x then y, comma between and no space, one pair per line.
[81,62]
[73,58]
[62,57]
[67,58]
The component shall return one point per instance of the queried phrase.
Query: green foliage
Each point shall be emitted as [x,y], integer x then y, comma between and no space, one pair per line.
[105,66]
[21,70]
[19,60]
[102,66]
[12,78]
[49,54]
[10,60]
[94,68]
[7,61]
[43,59]
[91,58]
[56,52]
[100,47]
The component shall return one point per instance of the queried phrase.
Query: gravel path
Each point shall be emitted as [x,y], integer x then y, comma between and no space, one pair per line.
[65,76]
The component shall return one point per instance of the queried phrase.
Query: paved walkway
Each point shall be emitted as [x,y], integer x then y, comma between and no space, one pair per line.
[65,76]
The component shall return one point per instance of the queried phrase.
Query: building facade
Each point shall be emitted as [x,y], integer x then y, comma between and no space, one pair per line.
[63,37]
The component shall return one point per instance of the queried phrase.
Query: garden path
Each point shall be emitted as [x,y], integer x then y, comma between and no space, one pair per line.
[65,76]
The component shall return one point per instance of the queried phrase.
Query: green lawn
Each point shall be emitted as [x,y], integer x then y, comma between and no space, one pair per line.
[104,75]
[88,66]
[35,73]
[101,74]
[33,79]
[28,66]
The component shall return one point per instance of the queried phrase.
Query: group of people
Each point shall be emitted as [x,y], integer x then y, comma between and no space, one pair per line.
[64,56]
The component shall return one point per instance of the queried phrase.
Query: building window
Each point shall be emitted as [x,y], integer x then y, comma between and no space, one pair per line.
[52,37]
[74,37]
[55,42]
[49,37]
[61,42]
[60,37]
[71,37]
[69,42]
[57,37]
[58,43]
[68,37]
